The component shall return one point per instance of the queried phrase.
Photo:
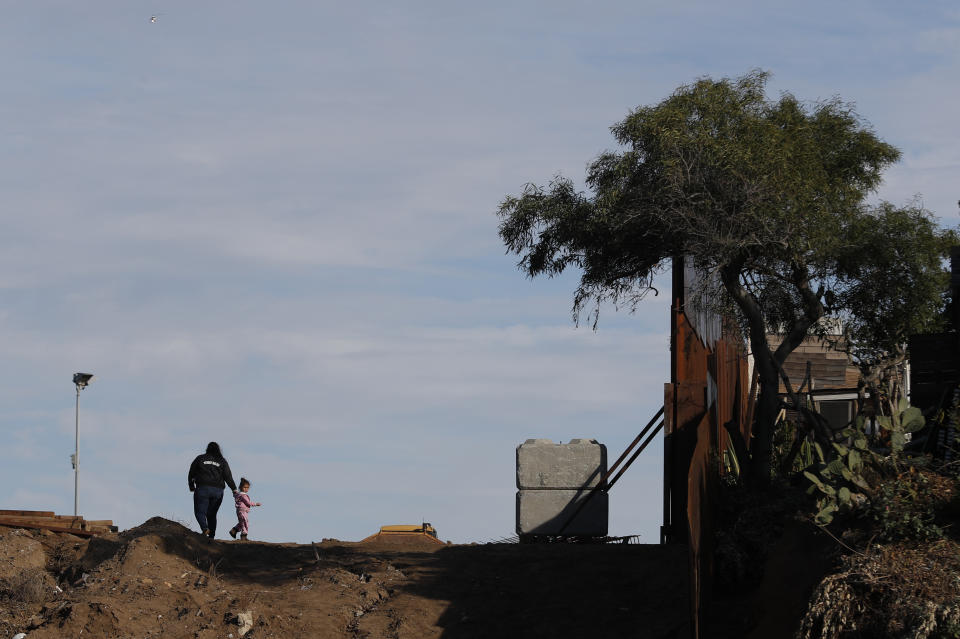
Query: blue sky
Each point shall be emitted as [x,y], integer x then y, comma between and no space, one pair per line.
[274,227]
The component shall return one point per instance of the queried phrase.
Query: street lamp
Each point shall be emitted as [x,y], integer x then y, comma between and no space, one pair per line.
[81,380]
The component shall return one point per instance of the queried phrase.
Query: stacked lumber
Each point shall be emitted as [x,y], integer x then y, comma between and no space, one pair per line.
[404,531]
[48,520]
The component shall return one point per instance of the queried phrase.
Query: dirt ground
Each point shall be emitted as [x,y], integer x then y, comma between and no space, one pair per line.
[162,580]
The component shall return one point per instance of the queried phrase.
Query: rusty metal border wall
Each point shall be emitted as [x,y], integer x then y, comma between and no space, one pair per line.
[708,388]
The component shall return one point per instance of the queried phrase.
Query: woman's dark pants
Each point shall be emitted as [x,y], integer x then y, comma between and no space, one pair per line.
[206,503]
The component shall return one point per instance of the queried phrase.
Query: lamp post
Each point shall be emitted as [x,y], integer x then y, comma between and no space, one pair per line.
[81,380]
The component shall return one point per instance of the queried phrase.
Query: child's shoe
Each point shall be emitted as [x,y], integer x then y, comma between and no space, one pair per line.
[233,532]
[243,536]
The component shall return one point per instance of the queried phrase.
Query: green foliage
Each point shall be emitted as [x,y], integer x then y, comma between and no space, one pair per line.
[767,194]
[838,478]
[784,435]
[897,288]
[809,455]
[949,629]
[907,419]
[904,508]
[900,577]
[715,171]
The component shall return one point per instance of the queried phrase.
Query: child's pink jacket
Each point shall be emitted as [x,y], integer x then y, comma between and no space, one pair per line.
[243,502]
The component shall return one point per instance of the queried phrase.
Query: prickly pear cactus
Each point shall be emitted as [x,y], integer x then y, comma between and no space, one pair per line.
[839,480]
[908,420]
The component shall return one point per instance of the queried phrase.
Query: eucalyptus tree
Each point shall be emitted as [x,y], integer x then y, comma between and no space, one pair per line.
[759,192]
[893,284]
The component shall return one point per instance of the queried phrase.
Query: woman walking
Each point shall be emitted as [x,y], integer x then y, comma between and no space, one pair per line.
[208,474]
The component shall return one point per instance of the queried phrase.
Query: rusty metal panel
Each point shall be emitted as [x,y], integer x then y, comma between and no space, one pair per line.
[700,528]
[728,366]
[708,390]
[669,430]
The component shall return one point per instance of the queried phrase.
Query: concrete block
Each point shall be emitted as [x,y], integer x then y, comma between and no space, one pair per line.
[544,512]
[544,464]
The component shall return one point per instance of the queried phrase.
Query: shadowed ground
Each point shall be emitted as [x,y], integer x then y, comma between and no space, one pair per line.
[160,579]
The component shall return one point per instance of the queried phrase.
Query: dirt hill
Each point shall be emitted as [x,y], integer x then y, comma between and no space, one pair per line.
[161,579]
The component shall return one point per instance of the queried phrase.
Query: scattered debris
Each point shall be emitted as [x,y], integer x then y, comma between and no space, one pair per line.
[140,583]
[245,621]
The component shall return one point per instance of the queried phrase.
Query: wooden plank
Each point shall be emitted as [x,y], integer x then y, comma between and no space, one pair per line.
[99,530]
[27,513]
[49,520]
[72,531]
[99,522]
[42,521]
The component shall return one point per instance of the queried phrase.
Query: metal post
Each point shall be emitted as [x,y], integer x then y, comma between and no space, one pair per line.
[81,380]
[76,454]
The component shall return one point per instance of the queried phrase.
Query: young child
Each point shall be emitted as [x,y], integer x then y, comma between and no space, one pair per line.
[244,503]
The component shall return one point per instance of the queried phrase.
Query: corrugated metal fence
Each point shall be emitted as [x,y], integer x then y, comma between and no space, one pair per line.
[708,388]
